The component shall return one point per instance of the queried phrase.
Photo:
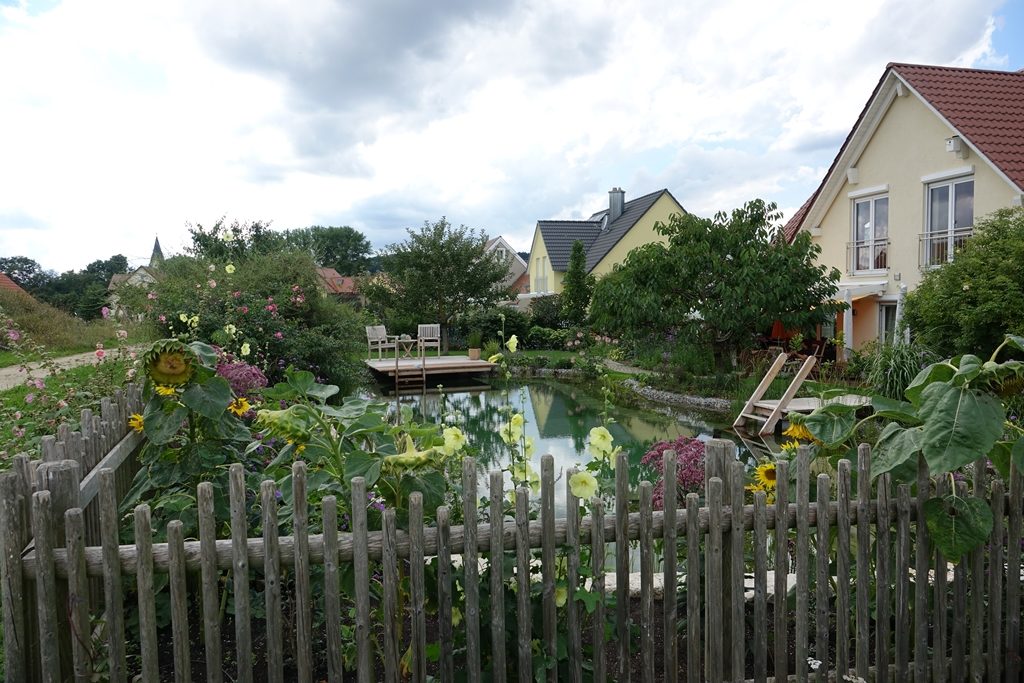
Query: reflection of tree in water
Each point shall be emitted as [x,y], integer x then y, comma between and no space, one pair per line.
[480,415]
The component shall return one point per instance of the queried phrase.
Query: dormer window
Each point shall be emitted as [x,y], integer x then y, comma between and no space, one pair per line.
[869,250]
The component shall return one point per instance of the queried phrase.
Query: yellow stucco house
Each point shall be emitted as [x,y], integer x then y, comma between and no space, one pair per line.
[934,149]
[607,237]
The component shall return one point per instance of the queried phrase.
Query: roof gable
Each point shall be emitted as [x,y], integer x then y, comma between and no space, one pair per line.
[986,108]
[632,212]
[10,285]
[559,236]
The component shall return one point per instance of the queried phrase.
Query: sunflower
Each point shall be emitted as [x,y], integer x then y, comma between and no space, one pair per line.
[135,422]
[164,391]
[170,362]
[764,476]
[239,407]
[798,431]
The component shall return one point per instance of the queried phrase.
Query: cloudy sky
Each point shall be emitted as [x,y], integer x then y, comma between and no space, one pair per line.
[121,120]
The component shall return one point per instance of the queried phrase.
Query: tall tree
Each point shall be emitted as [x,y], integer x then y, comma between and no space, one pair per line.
[577,286]
[343,248]
[225,242]
[436,274]
[25,271]
[725,280]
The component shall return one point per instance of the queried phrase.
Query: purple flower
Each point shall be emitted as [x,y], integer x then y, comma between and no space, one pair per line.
[105,312]
[13,335]
[243,378]
[689,466]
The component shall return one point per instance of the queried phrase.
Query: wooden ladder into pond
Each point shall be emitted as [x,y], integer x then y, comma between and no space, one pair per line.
[758,409]
[411,377]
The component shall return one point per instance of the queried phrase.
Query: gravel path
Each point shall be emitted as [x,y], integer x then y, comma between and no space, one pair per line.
[13,376]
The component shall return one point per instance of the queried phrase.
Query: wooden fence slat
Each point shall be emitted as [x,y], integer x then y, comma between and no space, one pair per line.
[737,621]
[958,658]
[922,564]
[209,577]
[843,569]
[46,587]
[941,635]
[361,567]
[179,603]
[148,643]
[822,533]
[978,584]
[471,570]
[391,587]
[524,662]
[646,583]
[417,594]
[671,582]
[862,641]
[332,592]
[694,644]
[760,587]
[240,572]
[444,592]
[780,618]
[995,591]
[622,566]
[1013,582]
[303,591]
[112,590]
[597,560]
[547,518]
[883,596]
[15,599]
[272,582]
[715,627]
[902,579]
[78,595]
[801,635]
[497,561]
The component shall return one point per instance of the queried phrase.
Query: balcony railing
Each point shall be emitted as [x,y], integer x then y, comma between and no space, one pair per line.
[937,248]
[867,255]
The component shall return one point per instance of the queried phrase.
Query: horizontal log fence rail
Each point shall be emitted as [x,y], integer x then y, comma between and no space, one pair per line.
[753,591]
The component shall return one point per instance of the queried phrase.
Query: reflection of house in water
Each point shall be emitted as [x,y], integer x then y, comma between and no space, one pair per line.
[561,412]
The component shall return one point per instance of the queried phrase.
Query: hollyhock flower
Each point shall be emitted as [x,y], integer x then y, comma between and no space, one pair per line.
[600,442]
[122,334]
[230,329]
[38,384]
[236,293]
[162,318]
[151,295]
[29,398]
[13,335]
[105,312]
[100,354]
[583,485]
[243,310]
[245,349]
[229,268]
[182,317]
[62,404]
[454,440]
[212,283]
[212,268]
[278,335]
[271,307]
[512,343]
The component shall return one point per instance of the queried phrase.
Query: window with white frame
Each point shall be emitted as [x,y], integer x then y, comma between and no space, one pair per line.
[949,219]
[886,322]
[870,246]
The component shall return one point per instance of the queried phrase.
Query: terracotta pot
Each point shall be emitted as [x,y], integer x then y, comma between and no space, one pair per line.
[474,354]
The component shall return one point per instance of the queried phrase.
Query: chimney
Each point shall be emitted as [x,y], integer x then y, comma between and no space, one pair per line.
[616,200]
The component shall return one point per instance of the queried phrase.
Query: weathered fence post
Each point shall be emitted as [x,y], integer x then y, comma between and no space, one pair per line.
[719,456]
[12,541]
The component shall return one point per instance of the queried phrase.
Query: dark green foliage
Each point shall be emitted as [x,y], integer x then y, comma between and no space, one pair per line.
[437,274]
[892,367]
[577,287]
[719,282]
[547,311]
[968,304]
[343,248]
[223,243]
[488,321]
[25,271]
[546,338]
[82,293]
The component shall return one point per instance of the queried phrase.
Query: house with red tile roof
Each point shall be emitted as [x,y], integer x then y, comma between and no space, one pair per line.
[934,149]
[9,285]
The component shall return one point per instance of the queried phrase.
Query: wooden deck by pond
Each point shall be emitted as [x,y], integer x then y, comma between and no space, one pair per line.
[416,372]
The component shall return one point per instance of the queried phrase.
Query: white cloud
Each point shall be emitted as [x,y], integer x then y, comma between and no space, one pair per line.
[123,120]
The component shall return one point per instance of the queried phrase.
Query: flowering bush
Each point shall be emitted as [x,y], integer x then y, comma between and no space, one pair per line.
[689,466]
[245,379]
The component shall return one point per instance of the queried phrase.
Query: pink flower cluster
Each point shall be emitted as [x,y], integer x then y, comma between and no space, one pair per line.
[689,466]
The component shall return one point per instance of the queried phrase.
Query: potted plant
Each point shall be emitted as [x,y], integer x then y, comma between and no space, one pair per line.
[473,340]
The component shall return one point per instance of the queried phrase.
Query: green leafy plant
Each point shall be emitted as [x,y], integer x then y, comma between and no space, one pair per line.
[954,415]
[474,339]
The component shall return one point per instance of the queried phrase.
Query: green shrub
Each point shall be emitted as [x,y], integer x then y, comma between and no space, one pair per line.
[546,338]
[489,322]
[490,348]
[892,367]
[546,311]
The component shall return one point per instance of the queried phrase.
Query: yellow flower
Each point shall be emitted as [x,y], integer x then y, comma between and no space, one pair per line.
[229,269]
[529,447]
[790,447]
[230,329]
[495,358]
[182,317]
[165,391]
[512,343]
[600,442]
[583,485]
[454,440]
[245,349]
[764,476]
[798,431]
[240,406]
[510,434]
[135,422]
[523,473]
[193,321]
[561,596]
[518,421]
[298,447]
[456,616]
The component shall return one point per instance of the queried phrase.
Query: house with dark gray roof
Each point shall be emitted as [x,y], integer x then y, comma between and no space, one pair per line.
[607,237]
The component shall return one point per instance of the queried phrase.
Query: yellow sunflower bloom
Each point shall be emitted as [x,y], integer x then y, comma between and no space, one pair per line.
[240,406]
[798,431]
[164,390]
[135,422]
[764,476]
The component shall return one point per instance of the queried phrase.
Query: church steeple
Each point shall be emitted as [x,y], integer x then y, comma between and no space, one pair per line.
[158,256]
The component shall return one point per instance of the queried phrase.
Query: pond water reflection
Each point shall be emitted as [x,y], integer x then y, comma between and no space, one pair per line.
[559,417]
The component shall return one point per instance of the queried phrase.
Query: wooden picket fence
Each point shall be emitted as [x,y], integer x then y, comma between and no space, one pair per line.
[724,620]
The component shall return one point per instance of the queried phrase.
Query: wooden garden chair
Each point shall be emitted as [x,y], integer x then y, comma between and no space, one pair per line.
[429,336]
[377,337]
